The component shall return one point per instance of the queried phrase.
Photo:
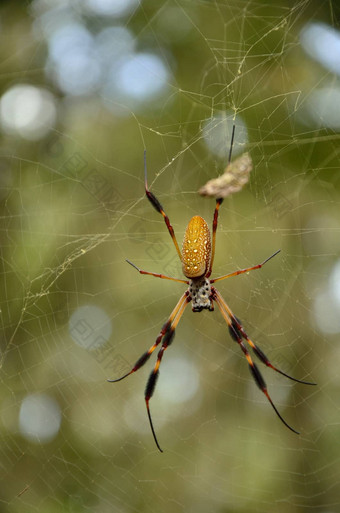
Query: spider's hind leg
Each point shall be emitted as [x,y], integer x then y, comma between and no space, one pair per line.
[165,329]
[237,332]
[151,384]
[166,336]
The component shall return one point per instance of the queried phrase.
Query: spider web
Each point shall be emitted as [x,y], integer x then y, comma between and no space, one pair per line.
[74,313]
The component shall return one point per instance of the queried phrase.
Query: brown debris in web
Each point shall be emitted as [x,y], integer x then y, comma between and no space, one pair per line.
[234,178]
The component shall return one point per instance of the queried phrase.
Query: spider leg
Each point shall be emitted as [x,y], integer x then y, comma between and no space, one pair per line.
[241,271]
[237,330]
[219,201]
[151,384]
[237,335]
[156,275]
[157,206]
[165,329]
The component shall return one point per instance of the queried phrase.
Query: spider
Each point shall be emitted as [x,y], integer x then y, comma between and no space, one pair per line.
[197,258]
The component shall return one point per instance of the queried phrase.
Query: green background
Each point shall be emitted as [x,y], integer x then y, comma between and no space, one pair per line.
[64,246]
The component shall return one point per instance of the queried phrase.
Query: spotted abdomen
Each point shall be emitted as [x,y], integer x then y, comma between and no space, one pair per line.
[196,250]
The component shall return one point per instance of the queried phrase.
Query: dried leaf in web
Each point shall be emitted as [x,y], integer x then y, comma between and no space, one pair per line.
[235,176]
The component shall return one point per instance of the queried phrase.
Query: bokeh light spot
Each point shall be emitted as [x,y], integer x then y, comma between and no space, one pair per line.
[334,282]
[27,111]
[327,304]
[142,76]
[114,43]
[90,327]
[217,134]
[112,8]
[322,43]
[180,380]
[324,107]
[39,418]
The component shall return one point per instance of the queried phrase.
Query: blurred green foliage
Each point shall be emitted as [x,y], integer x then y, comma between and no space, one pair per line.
[64,245]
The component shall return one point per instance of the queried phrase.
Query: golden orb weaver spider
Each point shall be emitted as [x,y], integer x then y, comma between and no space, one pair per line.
[197,258]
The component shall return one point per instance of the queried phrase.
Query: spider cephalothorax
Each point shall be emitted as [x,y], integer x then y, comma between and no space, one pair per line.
[200,294]
[197,258]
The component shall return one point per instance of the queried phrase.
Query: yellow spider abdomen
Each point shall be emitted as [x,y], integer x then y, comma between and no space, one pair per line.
[196,249]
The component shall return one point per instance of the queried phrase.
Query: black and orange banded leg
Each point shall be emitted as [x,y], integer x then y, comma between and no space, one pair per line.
[219,202]
[237,329]
[151,384]
[237,333]
[157,206]
[166,328]
[166,335]
[246,270]
[261,383]
[156,275]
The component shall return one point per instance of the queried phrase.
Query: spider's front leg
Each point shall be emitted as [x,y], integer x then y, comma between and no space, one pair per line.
[157,206]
